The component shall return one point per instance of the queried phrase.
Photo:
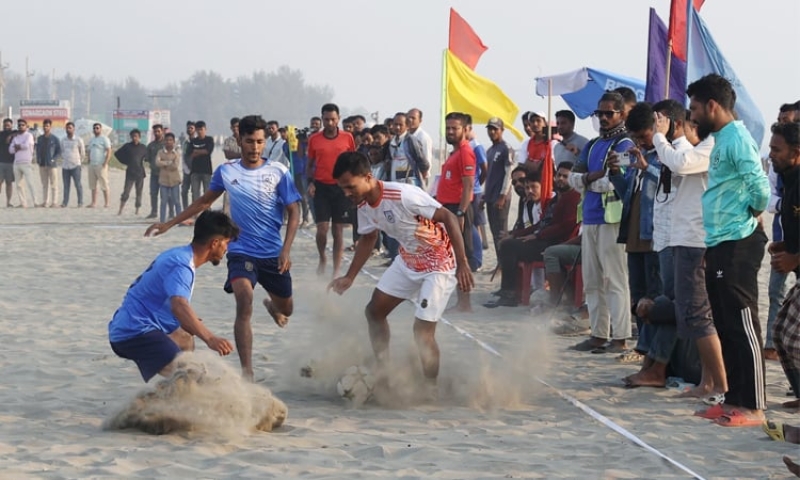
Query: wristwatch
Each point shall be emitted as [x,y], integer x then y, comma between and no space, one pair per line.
[459,213]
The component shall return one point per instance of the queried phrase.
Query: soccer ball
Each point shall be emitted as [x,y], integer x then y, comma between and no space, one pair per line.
[356,385]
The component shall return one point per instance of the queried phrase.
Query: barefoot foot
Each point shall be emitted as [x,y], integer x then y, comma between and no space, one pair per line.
[280,319]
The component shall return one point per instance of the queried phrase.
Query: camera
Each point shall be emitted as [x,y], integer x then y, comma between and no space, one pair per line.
[302,134]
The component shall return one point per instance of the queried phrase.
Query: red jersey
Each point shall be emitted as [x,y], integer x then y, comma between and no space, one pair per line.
[324,151]
[460,163]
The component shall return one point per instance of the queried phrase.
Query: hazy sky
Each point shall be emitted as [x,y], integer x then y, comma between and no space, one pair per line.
[387,56]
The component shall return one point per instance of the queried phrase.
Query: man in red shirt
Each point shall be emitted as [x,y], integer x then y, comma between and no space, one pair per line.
[455,186]
[330,203]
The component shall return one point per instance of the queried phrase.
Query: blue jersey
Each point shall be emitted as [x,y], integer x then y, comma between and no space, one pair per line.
[146,306]
[257,198]
[480,165]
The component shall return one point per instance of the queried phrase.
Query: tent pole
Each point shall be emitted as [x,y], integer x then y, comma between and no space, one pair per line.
[549,107]
[669,69]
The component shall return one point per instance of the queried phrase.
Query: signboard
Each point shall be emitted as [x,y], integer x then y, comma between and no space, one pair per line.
[127,120]
[35,116]
[40,103]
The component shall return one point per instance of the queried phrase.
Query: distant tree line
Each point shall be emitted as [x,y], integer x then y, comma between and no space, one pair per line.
[282,95]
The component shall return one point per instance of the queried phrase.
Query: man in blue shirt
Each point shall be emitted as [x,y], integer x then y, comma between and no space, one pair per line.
[156,322]
[737,193]
[605,267]
[259,191]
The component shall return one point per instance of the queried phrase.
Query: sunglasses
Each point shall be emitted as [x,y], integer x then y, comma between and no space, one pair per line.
[605,113]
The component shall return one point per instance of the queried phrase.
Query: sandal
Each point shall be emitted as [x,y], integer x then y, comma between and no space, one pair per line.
[716,399]
[735,418]
[711,413]
[631,356]
[774,430]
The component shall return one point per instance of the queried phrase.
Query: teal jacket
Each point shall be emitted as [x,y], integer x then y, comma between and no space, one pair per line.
[737,186]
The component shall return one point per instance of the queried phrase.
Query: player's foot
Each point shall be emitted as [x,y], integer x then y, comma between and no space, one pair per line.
[152,215]
[247,376]
[280,319]
[321,269]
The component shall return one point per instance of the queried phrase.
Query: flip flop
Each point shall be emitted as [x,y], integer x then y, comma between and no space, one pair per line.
[715,399]
[735,418]
[774,430]
[711,413]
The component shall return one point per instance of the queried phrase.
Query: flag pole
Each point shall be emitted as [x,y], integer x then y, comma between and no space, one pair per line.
[549,108]
[669,69]
[443,107]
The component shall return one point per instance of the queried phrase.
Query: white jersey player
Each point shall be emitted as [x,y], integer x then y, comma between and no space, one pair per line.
[431,262]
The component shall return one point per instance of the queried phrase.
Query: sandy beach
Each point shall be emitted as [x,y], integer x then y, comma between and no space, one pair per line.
[65,272]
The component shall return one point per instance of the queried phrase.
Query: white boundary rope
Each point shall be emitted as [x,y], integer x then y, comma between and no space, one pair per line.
[569,398]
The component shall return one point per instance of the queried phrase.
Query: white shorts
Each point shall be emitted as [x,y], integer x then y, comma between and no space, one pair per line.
[431,290]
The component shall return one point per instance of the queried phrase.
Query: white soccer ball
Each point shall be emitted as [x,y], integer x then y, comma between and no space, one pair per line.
[356,385]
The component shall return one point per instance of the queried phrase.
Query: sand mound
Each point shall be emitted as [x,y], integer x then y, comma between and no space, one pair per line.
[204,394]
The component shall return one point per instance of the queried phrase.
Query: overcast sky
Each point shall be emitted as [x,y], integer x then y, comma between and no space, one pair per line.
[386,56]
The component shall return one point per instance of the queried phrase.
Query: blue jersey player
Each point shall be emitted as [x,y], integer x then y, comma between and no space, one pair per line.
[156,322]
[259,191]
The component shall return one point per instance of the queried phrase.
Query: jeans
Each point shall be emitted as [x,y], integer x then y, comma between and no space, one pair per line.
[778,286]
[170,196]
[73,174]
[498,222]
[199,180]
[131,182]
[186,185]
[154,189]
[301,184]
[644,279]
[647,334]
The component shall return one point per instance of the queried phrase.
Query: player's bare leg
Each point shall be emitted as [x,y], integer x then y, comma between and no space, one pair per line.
[242,330]
[322,243]
[377,310]
[425,337]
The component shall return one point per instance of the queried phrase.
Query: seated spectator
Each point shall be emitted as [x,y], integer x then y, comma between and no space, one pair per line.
[668,356]
[556,225]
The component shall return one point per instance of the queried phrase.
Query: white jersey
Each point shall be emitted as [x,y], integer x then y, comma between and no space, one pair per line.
[404,212]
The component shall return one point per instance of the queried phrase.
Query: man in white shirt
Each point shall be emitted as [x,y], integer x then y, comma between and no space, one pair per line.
[273,151]
[72,153]
[21,147]
[414,120]
[432,257]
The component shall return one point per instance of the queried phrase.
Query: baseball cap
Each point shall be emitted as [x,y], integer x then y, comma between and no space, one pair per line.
[495,122]
[539,114]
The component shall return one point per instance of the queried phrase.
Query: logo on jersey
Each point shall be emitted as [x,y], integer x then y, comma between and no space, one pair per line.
[389,216]
[235,183]
[248,266]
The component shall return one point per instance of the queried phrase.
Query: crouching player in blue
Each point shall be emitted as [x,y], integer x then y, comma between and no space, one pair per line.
[156,322]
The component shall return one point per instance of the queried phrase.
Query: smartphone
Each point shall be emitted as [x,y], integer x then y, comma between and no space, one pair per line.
[624,157]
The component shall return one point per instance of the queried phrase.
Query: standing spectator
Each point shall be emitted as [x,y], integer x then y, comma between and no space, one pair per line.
[7,160]
[274,148]
[330,203]
[21,147]
[414,119]
[455,186]
[186,165]
[536,150]
[168,162]
[568,149]
[605,267]
[152,152]
[738,191]
[497,190]
[200,149]
[48,149]
[133,155]
[232,151]
[72,153]
[407,156]
[785,155]
[477,205]
[99,156]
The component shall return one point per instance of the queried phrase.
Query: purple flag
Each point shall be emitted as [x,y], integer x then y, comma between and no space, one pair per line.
[657,49]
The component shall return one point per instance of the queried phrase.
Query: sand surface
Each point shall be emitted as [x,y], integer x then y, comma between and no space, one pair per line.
[65,271]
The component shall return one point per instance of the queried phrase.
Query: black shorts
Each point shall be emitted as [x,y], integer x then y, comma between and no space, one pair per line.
[330,204]
[261,270]
[151,351]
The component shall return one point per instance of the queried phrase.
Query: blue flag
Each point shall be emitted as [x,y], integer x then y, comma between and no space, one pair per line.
[704,57]
[657,48]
